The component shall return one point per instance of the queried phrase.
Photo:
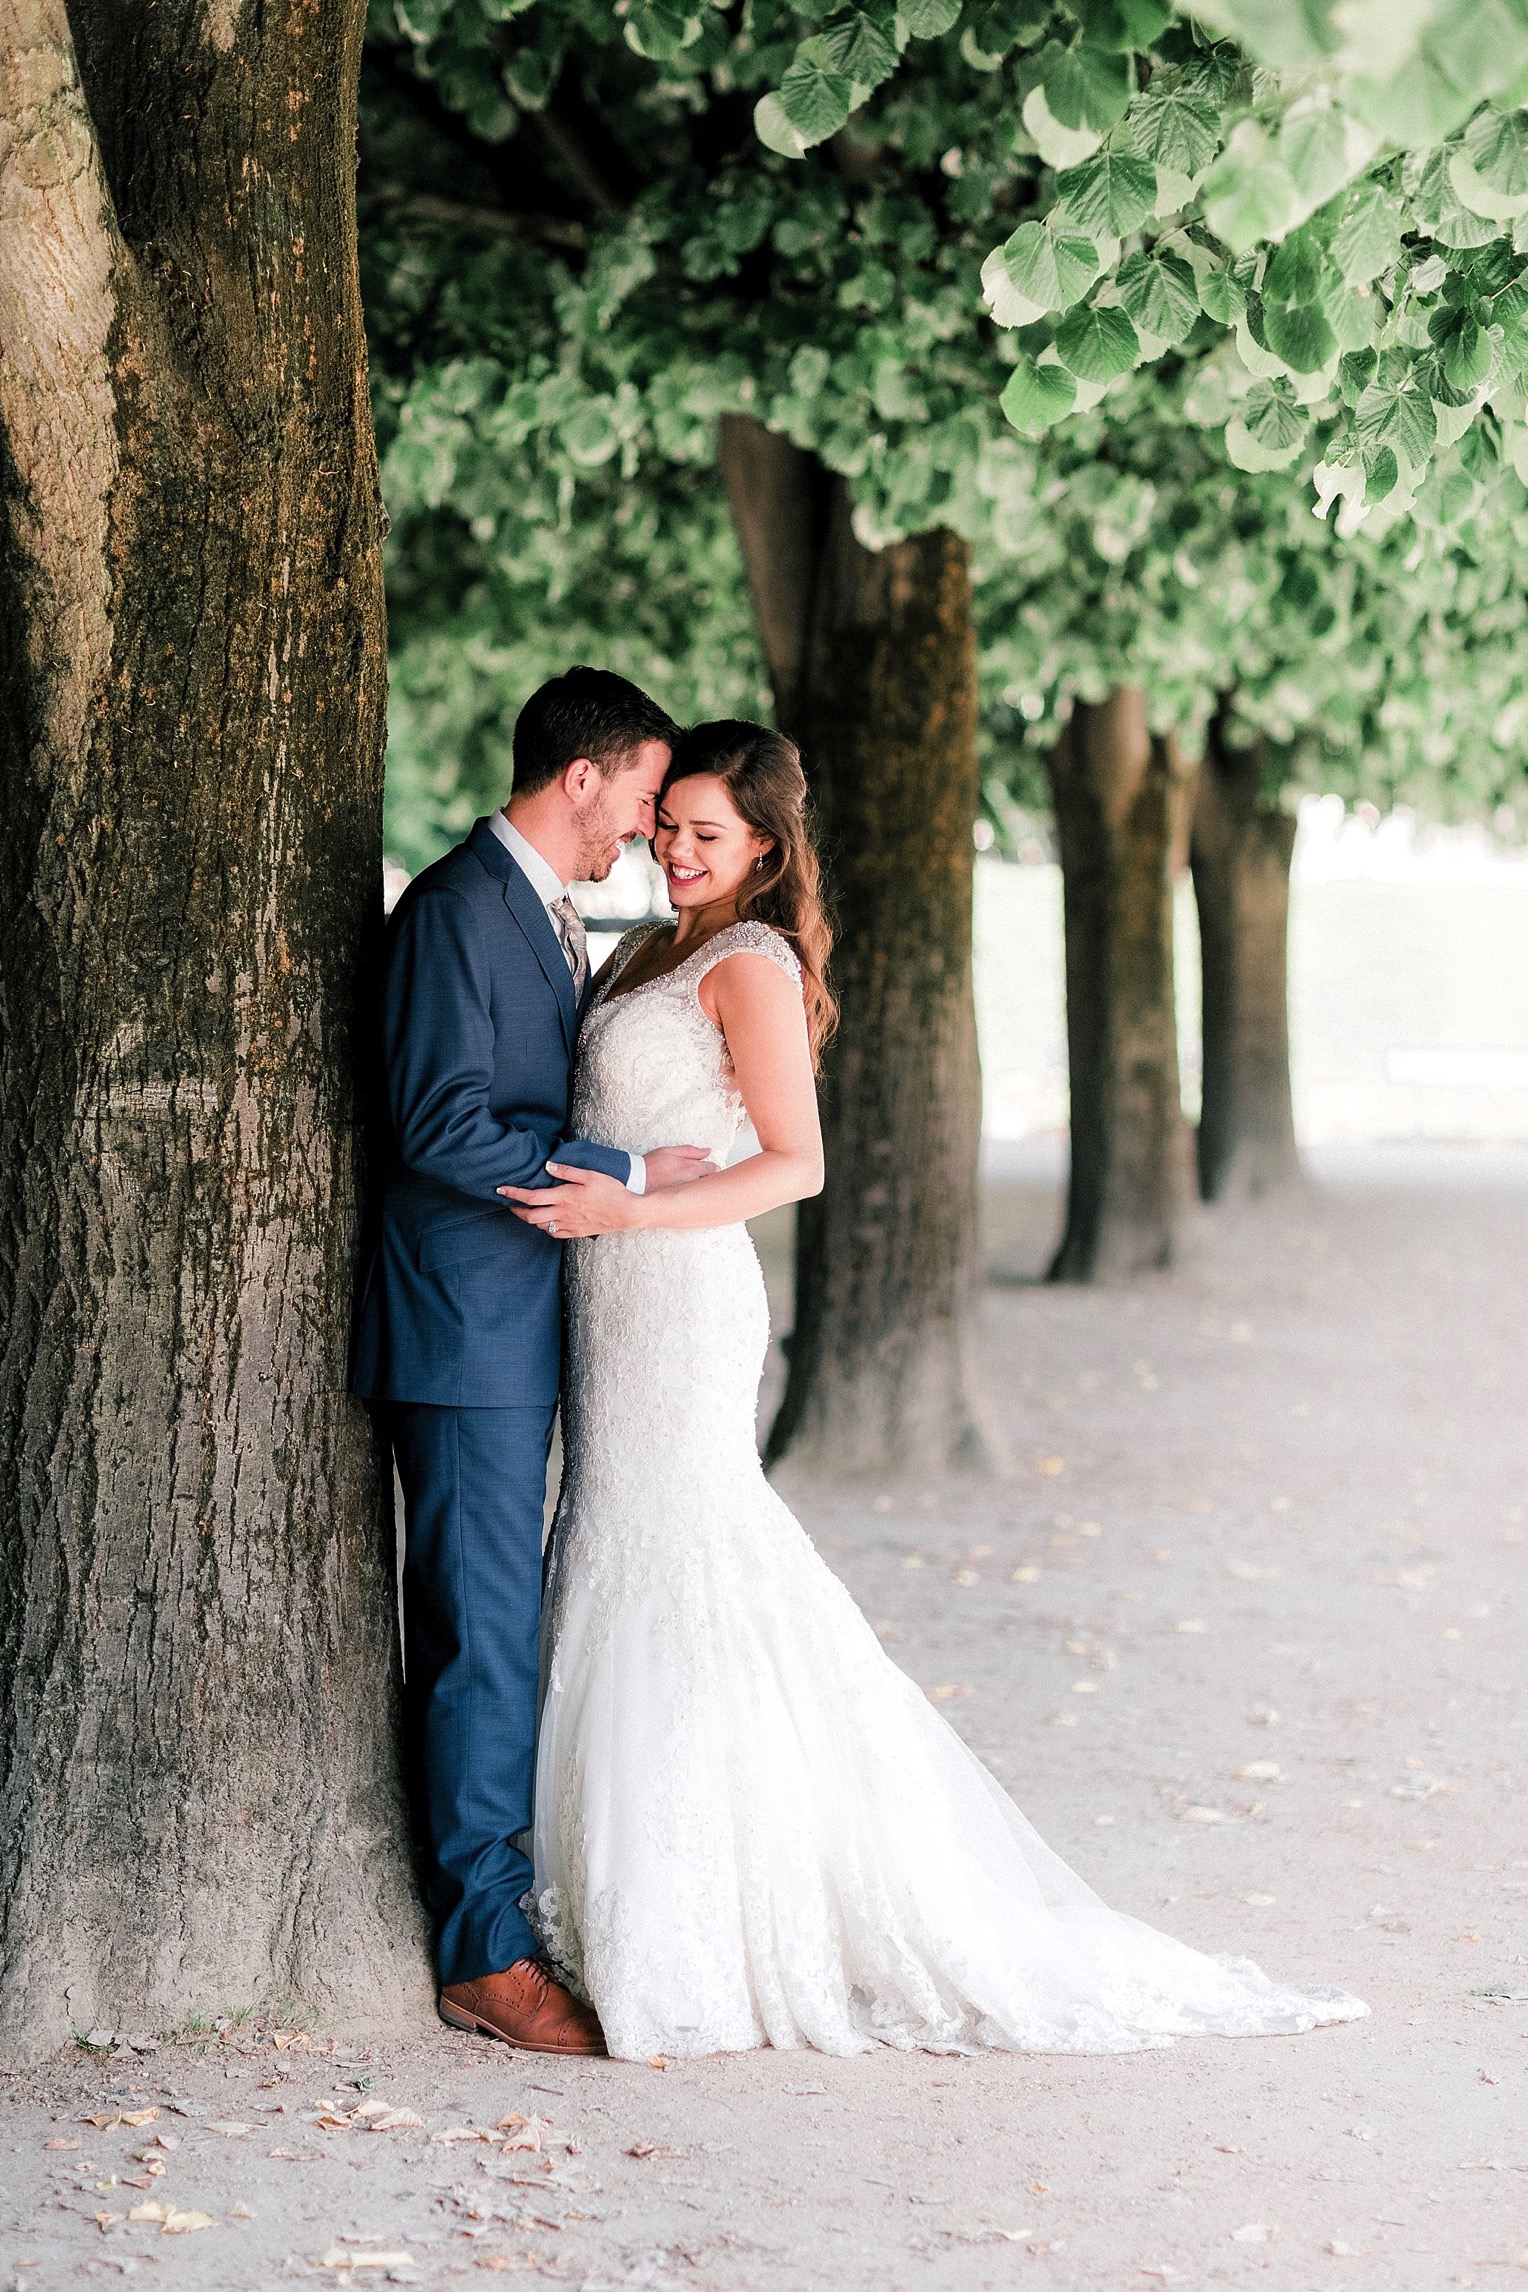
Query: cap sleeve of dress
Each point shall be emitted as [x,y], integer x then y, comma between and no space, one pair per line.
[751,939]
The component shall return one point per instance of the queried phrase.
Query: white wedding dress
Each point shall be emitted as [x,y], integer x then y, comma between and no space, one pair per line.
[751,1828]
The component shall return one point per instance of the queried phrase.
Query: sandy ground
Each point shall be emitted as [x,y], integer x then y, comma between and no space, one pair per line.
[1243,1632]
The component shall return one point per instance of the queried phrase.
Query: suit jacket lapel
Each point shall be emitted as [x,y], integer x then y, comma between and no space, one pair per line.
[526,908]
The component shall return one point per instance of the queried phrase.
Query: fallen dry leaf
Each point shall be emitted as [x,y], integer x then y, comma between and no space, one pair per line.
[523,2132]
[948,1694]
[1084,1686]
[643,2149]
[186,2223]
[231,2128]
[453,2133]
[239,2210]
[148,2212]
[106,2220]
[137,2116]
[1259,1771]
[1201,1814]
[61,2144]
[1025,1575]
[378,2118]
[338,2257]
[283,2039]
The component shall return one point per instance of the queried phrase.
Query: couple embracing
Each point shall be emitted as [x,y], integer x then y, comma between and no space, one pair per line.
[675,1796]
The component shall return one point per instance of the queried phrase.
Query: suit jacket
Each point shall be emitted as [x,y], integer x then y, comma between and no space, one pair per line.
[461,1303]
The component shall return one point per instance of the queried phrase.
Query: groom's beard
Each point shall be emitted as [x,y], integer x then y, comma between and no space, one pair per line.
[600,843]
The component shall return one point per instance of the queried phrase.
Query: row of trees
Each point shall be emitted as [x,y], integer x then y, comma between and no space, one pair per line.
[630,355]
[1144,585]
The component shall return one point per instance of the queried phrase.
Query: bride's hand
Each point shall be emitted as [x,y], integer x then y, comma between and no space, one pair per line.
[585,1203]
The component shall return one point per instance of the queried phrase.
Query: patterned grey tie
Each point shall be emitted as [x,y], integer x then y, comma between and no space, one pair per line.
[575,945]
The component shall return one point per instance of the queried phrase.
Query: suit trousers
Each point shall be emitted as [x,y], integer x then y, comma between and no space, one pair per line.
[474,1490]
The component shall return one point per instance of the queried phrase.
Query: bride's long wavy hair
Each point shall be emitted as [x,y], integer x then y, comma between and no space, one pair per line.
[761,772]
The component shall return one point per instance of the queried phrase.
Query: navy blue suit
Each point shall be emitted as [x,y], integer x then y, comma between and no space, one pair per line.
[460,1335]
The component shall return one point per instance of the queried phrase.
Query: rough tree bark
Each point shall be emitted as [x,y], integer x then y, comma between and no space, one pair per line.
[872,660]
[198,1800]
[1122,796]
[1241,850]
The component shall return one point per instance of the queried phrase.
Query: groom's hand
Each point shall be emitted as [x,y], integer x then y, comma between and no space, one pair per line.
[676,1166]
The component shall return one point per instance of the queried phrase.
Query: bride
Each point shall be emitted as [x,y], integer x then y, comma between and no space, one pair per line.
[751,1828]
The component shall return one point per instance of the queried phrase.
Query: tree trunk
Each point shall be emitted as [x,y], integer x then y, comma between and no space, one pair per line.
[199,1806]
[872,657]
[1121,797]
[1241,852]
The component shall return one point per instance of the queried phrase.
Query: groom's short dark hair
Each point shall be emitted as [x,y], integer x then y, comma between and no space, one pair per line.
[584,712]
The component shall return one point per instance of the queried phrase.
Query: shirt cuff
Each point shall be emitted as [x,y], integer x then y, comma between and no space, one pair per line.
[636,1182]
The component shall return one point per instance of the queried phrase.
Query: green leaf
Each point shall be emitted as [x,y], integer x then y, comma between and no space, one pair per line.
[1323,150]
[1110,194]
[1381,472]
[1122,25]
[1096,345]
[1222,289]
[1176,130]
[1389,415]
[1464,348]
[1300,335]
[1274,416]
[857,47]
[775,131]
[1480,45]
[1294,274]
[815,98]
[1249,194]
[1509,311]
[658,29]
[1416,106]
[1269,429]
[1496,144]
[927,19]
[590,436]
[1085,87]
[1367,239]
[1439,209]
[1051,268]
[1159,293]
[1037,396]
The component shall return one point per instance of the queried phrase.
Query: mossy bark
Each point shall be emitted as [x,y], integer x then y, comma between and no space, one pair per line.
[1241,851]
[872,655]
[199,1806]
[1121,796]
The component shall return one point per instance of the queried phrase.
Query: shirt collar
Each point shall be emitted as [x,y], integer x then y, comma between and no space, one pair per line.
[546,883]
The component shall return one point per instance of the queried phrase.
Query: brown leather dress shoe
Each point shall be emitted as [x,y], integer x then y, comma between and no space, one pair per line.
[526,2009]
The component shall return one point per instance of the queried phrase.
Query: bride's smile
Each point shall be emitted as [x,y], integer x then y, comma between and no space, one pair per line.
[706,850]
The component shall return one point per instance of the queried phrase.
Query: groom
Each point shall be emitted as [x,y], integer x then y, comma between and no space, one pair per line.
[460,1323]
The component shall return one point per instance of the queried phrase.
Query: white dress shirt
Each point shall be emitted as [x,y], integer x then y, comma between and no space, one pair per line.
[549,887]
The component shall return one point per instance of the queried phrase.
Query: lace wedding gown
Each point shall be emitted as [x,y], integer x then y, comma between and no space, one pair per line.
[751,1828]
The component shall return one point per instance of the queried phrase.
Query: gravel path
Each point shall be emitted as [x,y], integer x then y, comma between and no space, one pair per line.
[1243,1632]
